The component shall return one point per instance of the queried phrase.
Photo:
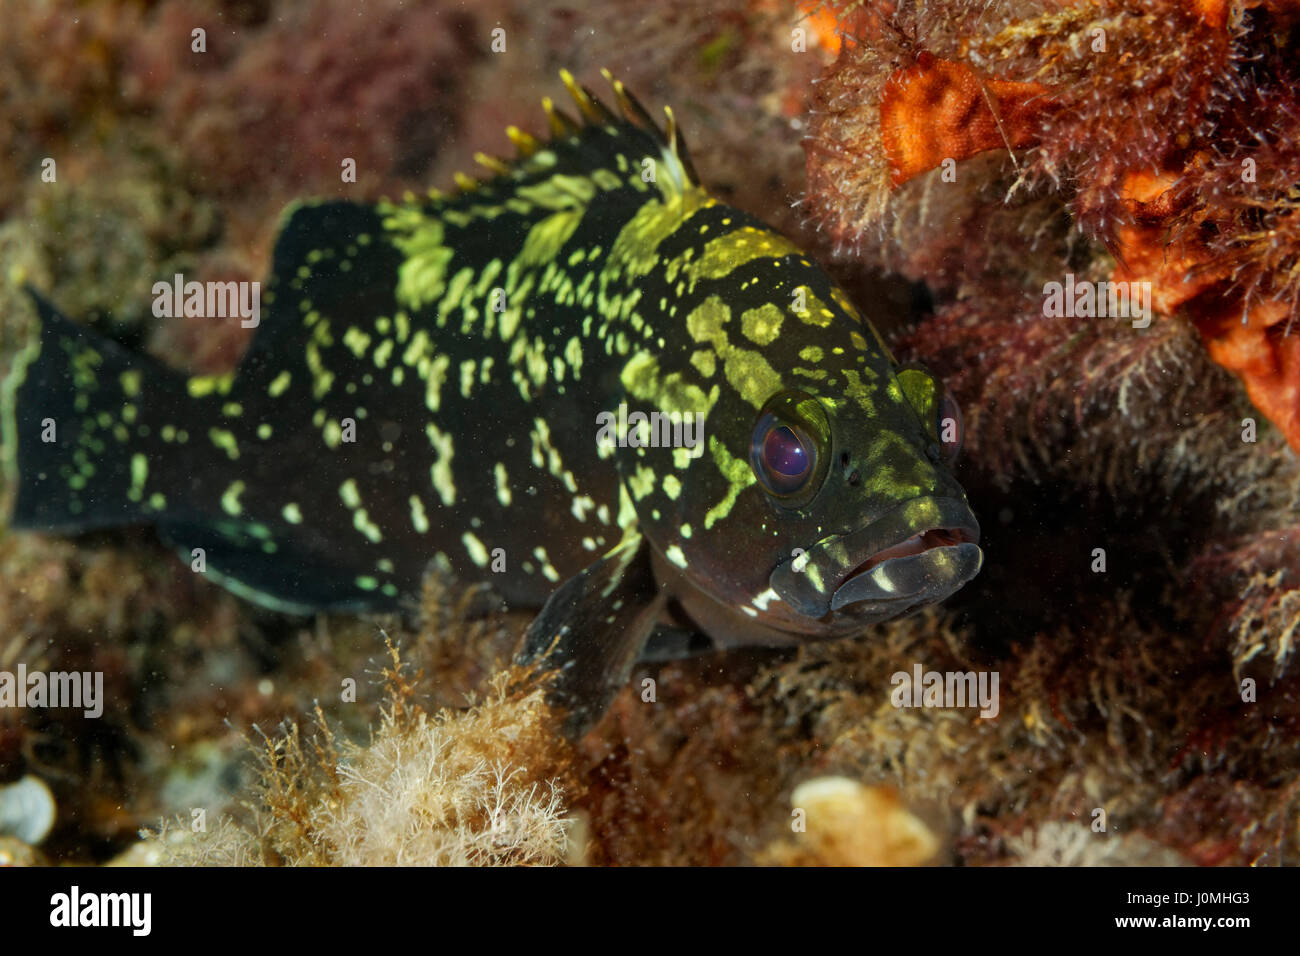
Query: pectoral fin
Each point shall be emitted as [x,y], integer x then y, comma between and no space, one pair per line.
[593,629]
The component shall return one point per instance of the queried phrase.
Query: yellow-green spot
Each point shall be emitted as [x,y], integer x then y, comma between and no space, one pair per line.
[814,373]
[705,362]
[547,237]
[433,384]
[348,492]
[422,276]
[503,484]
[322,378]
[487,277]
[467,377]
[419,520]
[747,370]
[762,325]
[292,513]
[420,348]
[455,297]
[201,385]
[641,482]
[224,440]
[440,473]
[814,311]
[230,499]
[573,355]
[671,393]
[139,475]
[548,569]
[279,384]
[739,476]
[361,521]
[357,341]
[477,552]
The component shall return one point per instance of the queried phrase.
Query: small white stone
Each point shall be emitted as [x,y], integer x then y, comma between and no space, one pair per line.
[27,810]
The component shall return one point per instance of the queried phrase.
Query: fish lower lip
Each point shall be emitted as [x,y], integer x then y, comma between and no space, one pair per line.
[920,576]
[809,586]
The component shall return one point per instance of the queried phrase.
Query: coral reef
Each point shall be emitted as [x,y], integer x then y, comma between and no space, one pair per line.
[1163,129]
[852,825]
[1072,844]
[481,787]
[991,151]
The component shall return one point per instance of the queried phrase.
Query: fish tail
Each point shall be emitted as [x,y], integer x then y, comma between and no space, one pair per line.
[72,421]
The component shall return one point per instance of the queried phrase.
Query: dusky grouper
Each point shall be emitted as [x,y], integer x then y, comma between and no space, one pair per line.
[441,378]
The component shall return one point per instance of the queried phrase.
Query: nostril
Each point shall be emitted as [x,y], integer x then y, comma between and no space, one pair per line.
[845,462]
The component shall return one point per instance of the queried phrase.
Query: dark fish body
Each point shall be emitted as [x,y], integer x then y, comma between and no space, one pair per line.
[428,381]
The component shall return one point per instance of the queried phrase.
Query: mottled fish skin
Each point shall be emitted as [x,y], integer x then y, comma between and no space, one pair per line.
[475,429]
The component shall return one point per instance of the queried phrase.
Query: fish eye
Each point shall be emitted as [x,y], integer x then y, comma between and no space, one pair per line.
[783,455]
[790,446]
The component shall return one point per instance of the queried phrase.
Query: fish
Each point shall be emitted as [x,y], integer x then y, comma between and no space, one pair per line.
[582,380]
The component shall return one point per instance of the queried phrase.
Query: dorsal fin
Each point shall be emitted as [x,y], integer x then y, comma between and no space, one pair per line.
[591,108]
[636,114]
[593,112]
[562,124]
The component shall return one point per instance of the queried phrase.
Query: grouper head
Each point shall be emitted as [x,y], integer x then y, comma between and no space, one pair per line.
[894,530]
[820,497]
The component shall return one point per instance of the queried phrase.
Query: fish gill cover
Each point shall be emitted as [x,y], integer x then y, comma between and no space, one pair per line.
[628,493]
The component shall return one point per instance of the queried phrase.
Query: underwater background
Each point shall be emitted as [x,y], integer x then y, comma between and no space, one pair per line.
[948,162]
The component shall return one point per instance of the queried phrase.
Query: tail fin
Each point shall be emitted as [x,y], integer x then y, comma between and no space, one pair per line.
[72,448]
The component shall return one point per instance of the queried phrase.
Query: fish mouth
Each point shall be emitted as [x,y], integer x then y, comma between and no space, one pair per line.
[935,562]
[887,568]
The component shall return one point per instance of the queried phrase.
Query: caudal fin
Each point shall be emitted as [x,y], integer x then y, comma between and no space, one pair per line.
[70,411]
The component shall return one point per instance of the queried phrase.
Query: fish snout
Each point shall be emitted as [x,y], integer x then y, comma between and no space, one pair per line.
[919,553]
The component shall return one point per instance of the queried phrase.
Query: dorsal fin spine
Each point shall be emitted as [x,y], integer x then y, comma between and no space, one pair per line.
[594,113]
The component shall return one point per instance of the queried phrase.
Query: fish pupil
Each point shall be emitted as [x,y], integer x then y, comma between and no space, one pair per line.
[784,453]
